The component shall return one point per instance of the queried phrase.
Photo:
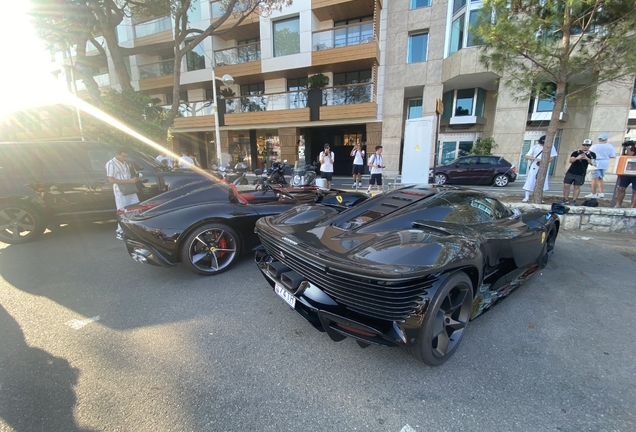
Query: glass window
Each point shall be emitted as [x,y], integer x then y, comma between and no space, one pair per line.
[194,13]
[472,23]
[464,148]
[458,4]
[19,159]
[195,59]
[98,158]
[464,104]
[418,45]
[58,159]
[457,34]
[298,92]
[473,160]
[634,98]
[420,3]
[252,89]
[488,160]
[415,108]
[287,37]
[480,106]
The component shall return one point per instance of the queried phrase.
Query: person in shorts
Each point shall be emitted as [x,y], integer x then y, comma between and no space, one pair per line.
[604,152]
[623,182]
[358,164]
[375,163]
[575,175]
[326,165]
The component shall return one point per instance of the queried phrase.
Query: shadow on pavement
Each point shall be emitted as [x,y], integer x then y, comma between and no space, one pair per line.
[36,387]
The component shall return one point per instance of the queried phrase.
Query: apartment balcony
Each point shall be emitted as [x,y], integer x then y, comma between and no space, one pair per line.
[102,80]
[154,31]
[346,44]
[239,61]
[264,108]
[194,114]
[348,102]
[540,111]
[247,29]
[338,10]
[156,75]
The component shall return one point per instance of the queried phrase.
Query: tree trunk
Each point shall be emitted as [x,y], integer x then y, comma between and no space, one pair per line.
[118,59]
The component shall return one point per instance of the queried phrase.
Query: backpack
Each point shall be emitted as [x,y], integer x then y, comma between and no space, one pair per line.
[592,202]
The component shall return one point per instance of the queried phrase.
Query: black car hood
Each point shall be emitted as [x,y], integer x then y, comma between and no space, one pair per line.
[394,246]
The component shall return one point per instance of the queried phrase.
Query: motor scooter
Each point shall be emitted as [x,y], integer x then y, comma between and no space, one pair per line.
[305,176]
[273,177]
[237,175]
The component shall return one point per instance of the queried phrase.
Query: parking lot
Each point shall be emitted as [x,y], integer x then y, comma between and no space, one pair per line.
[93,341]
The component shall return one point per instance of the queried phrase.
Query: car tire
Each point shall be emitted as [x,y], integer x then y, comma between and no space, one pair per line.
[501,180]
[440,179]
[445,321]
[20,223]
[548,247]
[210,249]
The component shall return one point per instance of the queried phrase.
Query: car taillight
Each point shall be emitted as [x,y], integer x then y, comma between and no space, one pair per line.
[513,169]
[138,208]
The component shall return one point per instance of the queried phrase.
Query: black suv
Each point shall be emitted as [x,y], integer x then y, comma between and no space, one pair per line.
[48,183]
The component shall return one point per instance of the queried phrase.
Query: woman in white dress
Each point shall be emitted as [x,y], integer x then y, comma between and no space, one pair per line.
[534,156]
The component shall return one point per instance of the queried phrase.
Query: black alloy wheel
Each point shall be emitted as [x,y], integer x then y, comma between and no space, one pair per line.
[210,249]
[501,180]
[441,179]
[445,321]
[19,223]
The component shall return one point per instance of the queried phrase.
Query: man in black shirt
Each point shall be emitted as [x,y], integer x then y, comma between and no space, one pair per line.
[575,175]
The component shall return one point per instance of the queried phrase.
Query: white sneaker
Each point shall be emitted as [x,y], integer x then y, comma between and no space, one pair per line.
[359,184]
[590,196]
[525,200]
[368,192]
[601,195]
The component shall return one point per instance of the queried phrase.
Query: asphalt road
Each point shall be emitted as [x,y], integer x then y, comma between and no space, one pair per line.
[92,341]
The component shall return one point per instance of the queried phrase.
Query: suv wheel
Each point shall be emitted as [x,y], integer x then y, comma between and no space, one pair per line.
[501,180]
[441,179]
[19,223]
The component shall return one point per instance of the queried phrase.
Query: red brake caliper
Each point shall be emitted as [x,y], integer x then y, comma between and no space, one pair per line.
[222,245]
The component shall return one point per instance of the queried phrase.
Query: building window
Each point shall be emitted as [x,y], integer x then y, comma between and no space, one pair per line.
[634,97]
[251,101]
[287,37]
[457,5]
[346,33]
[415,109]
[418,45]
[472,40]
[195,59]
[344,90]
[464,102]
[457,34]
[297,89]
[252,89]
[415,4]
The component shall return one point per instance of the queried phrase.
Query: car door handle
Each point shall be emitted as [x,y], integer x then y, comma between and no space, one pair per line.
[102,181]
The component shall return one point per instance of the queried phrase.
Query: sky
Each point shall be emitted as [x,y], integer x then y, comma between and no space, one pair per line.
[25,73]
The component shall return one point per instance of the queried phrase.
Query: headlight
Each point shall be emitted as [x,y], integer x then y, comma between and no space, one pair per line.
[297,180]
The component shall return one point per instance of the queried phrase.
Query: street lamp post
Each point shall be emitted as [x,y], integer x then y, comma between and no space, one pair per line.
[228,81]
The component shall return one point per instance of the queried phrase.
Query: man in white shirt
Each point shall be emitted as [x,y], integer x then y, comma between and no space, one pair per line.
[358,164]
[326,165]
[375,162]
[164,157]
[185,161]
[118,172]
[604,152]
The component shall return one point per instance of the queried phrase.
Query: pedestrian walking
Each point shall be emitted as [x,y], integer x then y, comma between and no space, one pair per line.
[575,175]
[118,173]
[358,164]
[604,152]
[185,161]
[535,155]
[376,165]
[326,165]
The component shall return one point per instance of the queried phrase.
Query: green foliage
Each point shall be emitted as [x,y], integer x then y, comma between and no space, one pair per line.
[582,42]
[317,81]
[483,146]
[135,109]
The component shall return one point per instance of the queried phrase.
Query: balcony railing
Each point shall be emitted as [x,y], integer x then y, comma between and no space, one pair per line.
[102,80]
[266,102]
[154,26]
[343,36]
[217,8]
[239,54]
[347,94]
[158,69]
[193,109]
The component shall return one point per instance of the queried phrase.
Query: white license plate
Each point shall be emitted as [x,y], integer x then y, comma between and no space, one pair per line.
[285,295]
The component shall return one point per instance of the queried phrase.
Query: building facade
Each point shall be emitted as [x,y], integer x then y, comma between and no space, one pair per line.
[386,61]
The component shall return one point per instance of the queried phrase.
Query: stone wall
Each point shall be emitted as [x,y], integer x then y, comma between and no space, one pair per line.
[595,219]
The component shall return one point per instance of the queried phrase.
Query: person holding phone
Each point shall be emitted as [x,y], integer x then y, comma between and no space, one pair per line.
[358,164]
[326,165]
[376,165]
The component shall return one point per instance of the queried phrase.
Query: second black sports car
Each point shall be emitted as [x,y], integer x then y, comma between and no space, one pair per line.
[206,224]
[409,268]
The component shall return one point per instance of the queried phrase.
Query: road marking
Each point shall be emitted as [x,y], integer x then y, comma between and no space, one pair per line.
[78,324]
[407,428]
